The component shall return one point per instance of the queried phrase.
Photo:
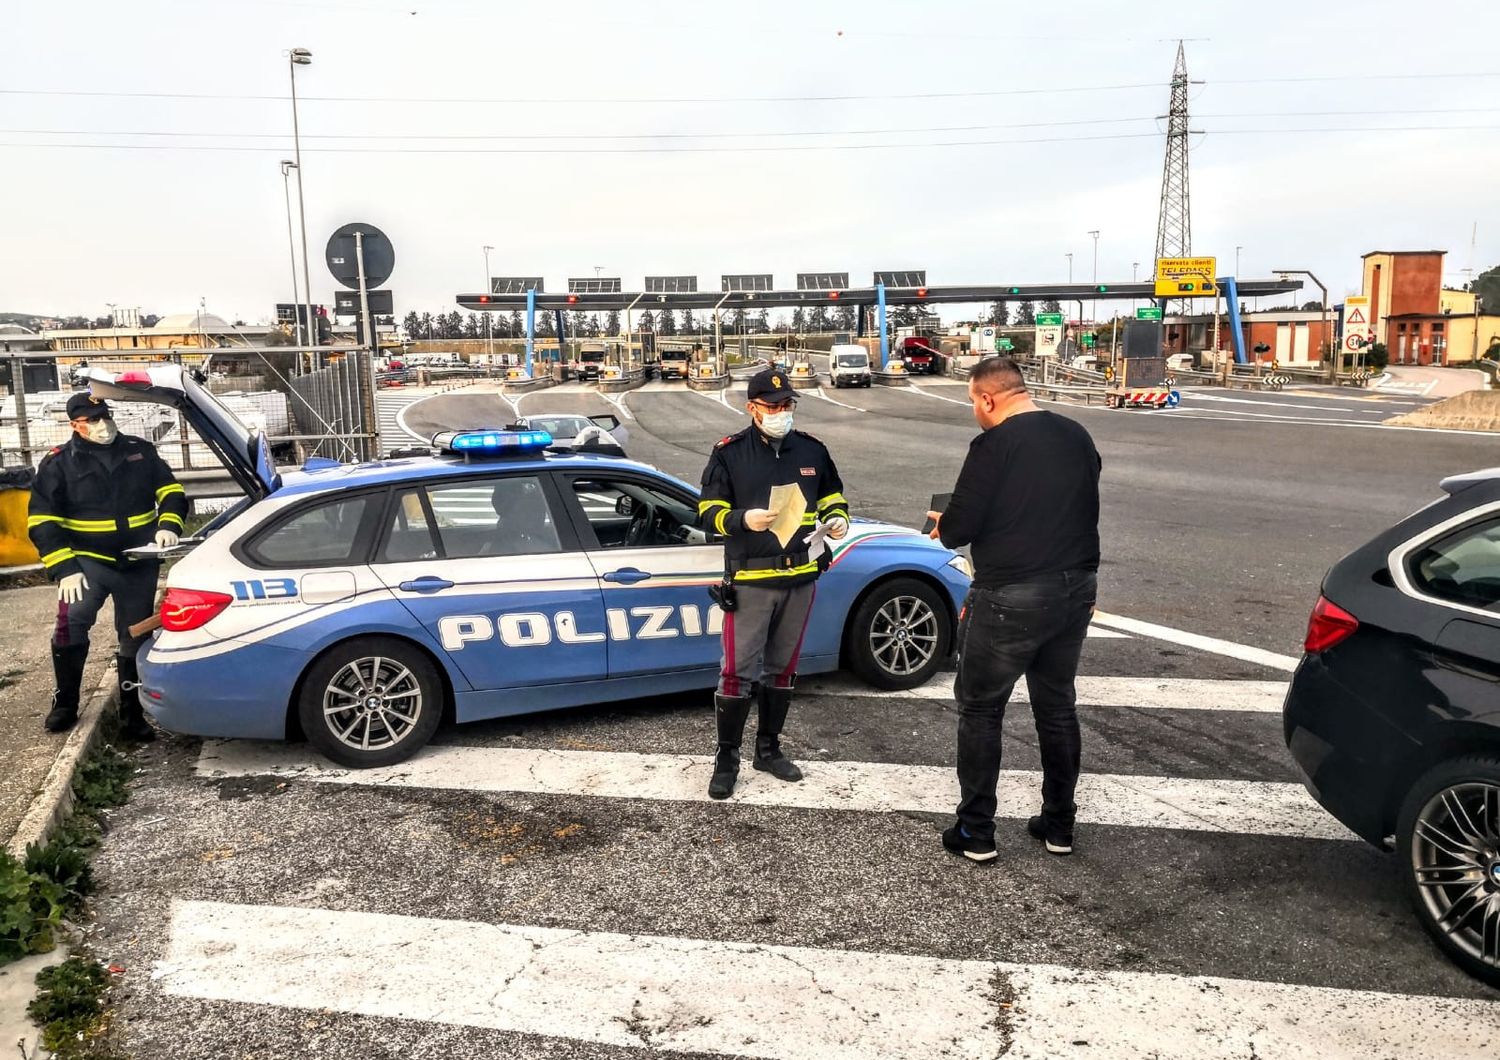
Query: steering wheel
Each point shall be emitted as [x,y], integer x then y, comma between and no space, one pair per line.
[642,519]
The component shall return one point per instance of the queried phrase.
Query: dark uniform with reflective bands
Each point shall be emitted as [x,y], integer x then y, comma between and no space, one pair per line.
[89,503]
[772,584]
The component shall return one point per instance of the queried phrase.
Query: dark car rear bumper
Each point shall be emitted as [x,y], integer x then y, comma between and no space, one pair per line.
[1346,752]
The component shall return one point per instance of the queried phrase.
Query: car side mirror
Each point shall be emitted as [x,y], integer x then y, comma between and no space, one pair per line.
[605,420]
[625,504]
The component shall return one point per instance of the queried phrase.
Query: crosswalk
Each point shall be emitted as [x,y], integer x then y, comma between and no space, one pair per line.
[560,885]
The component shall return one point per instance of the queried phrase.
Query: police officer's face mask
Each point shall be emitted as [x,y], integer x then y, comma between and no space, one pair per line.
[776,424]
[101,431]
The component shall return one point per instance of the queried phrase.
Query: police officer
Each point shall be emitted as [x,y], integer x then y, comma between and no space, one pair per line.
[95,496]
[768,585]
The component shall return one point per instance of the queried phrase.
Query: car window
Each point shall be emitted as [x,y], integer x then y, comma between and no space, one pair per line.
[507,516]
[410,535]
[625,513]
[316,536]
[1462,567]
[558,426]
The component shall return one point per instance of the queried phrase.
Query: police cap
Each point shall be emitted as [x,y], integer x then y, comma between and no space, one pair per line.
[84,405]
[771,386]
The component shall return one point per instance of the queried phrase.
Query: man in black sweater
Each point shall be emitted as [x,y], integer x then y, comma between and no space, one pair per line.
[1027,501]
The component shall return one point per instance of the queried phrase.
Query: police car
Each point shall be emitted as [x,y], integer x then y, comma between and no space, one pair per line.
[359,605]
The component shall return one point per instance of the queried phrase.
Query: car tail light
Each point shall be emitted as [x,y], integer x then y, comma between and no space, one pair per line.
[1330,624]
[184,609]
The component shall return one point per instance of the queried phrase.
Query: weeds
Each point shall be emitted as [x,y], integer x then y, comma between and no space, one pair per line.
[69,1006]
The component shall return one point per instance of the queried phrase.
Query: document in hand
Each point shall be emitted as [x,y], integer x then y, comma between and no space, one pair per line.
[790,506]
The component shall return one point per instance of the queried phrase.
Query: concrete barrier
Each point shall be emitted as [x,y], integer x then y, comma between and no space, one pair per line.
[707,382]
[620,384]
[527,386]
[1474,410]
[889,378]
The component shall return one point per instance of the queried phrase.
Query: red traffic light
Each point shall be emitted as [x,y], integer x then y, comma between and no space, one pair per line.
[484,298]
[833,296]
[572,298]
[921,292]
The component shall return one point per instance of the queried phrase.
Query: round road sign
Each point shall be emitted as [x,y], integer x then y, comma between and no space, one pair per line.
[380,256]
[1354,341]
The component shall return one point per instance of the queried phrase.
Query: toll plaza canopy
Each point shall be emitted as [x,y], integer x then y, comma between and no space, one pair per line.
[1060,292]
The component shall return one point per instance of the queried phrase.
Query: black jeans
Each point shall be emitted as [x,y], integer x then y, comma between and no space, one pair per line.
[132,586]
[1035,628]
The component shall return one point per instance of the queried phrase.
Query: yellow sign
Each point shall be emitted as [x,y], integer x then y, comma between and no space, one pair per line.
[1187,278]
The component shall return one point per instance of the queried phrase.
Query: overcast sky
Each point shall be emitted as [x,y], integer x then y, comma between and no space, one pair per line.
[687,138]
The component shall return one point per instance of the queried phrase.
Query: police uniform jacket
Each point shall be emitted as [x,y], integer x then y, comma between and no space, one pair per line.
[96,501]
[739,476]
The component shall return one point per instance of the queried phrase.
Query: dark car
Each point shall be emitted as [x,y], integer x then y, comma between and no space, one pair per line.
[1393,715]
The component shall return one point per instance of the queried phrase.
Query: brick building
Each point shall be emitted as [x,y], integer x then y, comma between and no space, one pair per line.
[1419,320]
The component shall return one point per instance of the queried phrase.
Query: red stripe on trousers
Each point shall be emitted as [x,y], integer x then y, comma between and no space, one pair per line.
[728,678]
[784,679]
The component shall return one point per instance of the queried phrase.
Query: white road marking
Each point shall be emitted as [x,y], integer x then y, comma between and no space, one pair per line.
[1286,404]
[778,1001]
[1243,652]
[818,391]
[619,403]
[1140,693]
[915,389]
[1226,415]
[1246,807]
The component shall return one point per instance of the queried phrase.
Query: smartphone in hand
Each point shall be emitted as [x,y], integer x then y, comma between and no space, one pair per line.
[939,503]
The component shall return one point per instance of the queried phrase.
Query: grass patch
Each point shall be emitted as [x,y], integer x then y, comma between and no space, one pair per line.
[69,1007]
[53,879]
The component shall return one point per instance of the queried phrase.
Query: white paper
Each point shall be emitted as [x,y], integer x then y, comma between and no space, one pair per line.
[816,541]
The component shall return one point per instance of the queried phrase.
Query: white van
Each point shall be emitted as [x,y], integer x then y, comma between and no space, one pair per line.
[849,366]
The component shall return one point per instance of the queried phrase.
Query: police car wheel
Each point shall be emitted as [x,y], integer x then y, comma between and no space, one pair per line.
[899,635]
[1448,843]
[374,701]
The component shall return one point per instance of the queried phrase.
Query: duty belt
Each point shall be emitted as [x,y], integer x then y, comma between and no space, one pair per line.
[783,562]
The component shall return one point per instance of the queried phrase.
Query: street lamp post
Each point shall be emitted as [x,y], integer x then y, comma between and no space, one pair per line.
[287,165]
[1237,262]
[1333,351]
[1069,256]
[295,58]
[1094,308]
[489,332]
[114,322]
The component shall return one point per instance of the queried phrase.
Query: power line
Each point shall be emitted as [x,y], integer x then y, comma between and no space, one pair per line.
[637,101]
[774,149]
[584,136]
[897,131]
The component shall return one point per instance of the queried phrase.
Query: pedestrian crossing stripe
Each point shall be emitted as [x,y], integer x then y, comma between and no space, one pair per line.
[1139,693]
[1246,807]
[746,999]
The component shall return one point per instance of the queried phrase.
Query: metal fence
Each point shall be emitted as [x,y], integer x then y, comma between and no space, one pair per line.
[334,411]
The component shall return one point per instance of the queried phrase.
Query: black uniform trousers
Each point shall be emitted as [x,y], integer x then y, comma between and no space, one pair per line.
[132,587]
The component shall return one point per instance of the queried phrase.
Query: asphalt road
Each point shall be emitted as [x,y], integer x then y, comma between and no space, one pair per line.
[558,886]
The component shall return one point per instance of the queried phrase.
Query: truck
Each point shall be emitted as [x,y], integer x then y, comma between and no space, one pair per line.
[675,362]
[920,355]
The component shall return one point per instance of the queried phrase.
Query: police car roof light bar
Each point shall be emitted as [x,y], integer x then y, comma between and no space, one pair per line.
[491,442]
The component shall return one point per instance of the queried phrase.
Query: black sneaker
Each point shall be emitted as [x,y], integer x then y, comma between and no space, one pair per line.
[1056,842]
[971,847]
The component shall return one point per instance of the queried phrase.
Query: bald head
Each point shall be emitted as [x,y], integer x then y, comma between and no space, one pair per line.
[997,375]
[998,391]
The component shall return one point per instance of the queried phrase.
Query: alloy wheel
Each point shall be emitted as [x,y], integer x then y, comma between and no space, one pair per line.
[904,635]
[1455,857]
[372,703]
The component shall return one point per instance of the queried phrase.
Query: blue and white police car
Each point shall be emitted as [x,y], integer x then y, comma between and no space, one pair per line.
[361,604]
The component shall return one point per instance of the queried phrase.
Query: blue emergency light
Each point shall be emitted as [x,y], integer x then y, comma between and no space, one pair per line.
[491,442]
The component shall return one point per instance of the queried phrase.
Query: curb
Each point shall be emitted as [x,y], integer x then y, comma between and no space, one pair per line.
[26,574]
[54,803]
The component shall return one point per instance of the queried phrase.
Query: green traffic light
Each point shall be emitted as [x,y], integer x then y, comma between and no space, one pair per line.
[1015,290]
[1101,288]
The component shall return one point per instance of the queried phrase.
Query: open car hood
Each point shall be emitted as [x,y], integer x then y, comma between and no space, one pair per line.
[245,452]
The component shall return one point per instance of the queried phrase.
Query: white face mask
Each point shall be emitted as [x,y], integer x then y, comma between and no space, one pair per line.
[776,424]
[101,432]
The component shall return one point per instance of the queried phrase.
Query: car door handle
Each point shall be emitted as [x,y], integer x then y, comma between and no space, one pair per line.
[627,576]
[425,584]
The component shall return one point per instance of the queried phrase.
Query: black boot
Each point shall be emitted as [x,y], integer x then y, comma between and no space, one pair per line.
[67,671]
[133,723]
[730,713]
[774,703]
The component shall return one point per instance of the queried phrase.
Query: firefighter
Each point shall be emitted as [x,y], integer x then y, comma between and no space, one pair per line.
[767,590]
[95,496]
